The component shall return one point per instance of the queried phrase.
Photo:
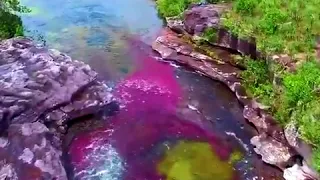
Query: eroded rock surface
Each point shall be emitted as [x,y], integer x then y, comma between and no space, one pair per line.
[28,152]
[41,90]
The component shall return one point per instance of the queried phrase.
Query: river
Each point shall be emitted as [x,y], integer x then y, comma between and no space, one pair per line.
[173,123]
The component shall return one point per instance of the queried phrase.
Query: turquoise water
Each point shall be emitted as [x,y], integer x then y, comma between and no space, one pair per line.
[93,31]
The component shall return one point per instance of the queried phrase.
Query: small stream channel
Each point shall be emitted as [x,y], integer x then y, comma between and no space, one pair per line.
[173,124]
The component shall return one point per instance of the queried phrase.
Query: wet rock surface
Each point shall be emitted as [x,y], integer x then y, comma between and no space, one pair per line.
[41,91]
[271,143]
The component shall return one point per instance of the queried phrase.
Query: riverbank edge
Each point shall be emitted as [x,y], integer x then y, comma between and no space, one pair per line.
[247,47]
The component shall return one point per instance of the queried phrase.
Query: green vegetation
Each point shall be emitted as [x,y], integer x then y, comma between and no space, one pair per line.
[169,8]
[284,27]
[280,26]
[11,24]
[257,81]
[297,99]
[210,34]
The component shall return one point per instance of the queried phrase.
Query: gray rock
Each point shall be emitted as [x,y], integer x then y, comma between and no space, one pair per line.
[298,172]
[31,155]
[272,151]
[41,90]
[197,18]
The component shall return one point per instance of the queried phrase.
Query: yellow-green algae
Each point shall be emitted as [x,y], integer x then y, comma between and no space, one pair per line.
[190,160]
[235,157]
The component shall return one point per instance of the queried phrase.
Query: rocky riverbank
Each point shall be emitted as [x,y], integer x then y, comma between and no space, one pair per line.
[179,43]
[41,91]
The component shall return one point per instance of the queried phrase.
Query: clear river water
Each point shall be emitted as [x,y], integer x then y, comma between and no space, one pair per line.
[173,124]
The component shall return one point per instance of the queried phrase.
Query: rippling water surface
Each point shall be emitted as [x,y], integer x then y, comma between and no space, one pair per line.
[173,124]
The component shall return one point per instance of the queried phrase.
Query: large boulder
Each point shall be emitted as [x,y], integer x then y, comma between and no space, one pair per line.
[41,91]
[198,18]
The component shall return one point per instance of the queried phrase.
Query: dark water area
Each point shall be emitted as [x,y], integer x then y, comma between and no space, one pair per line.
[173,123]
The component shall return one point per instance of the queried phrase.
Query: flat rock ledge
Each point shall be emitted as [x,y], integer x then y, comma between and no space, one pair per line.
[41,91]
[274,145]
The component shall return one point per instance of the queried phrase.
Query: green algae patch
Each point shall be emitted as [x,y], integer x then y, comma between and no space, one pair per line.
[194,161]
[235,157]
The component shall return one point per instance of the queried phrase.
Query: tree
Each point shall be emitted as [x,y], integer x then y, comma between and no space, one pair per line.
[11,24]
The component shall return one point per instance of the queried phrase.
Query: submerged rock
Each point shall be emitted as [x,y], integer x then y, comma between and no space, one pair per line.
[41,90]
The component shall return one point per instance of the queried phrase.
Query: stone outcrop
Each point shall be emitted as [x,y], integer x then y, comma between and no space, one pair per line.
[271,143]
[41,91]
[200,17]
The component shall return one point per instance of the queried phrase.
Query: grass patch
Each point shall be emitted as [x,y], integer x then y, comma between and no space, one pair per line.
[278,25]
[169,8]
[316,159]
[210,34]
[257,82]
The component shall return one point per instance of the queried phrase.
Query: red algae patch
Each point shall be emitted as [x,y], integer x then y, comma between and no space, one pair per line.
[147,140]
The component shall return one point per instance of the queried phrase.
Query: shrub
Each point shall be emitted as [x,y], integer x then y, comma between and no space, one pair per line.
[300,87]
[169,8]
[12,6]
[210,34]
[245,6]
[308,117]
[316,158]
[256,80]
[11,24]
[271,20]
